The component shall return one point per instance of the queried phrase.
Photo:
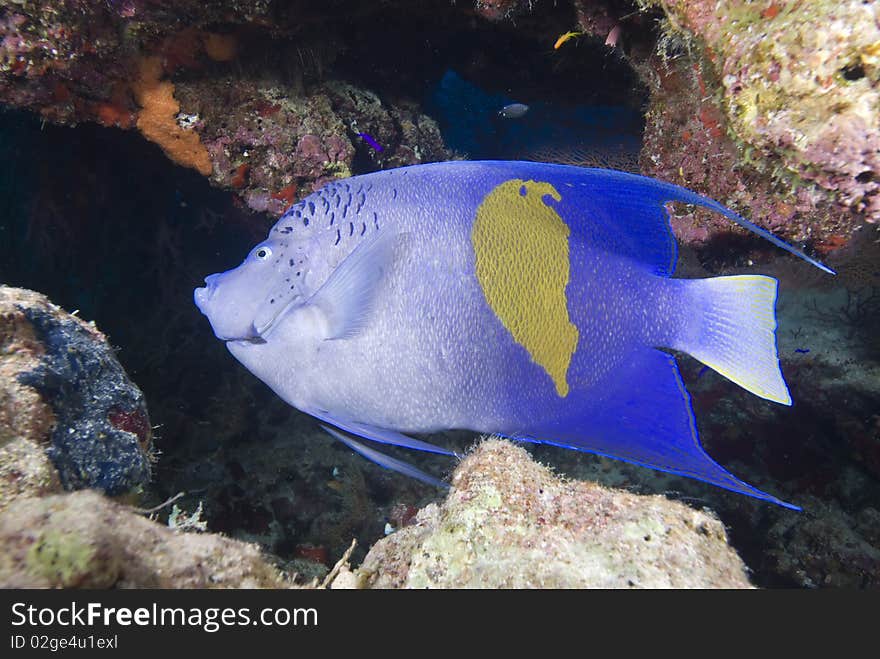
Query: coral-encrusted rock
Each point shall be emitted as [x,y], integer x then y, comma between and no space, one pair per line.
[510,523]
[83,540]
[25,419]
[686,142]
[829,548]
[164,69]
[274,144]
[65,401]
[797,86]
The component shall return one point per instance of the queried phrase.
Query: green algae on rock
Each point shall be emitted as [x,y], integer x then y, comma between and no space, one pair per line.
[83,540]
[510,523]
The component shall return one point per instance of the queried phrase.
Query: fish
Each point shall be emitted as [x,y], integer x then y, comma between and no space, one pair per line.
[369,139]
[583,135]
[613,36]
[513,111]
[565,37]
[525,300]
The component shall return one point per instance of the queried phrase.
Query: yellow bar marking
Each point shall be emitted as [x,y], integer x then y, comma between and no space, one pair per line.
[523,266]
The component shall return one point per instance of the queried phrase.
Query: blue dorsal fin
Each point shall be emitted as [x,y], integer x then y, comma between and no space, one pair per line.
[624,213]
[621,419]
[386,461]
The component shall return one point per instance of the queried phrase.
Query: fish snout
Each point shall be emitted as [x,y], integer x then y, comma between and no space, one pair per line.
[202,296]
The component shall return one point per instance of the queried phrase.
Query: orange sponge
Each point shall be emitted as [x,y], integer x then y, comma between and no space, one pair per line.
[157,119]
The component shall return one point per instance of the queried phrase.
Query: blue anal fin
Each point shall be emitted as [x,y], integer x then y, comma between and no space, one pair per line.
[386,461]
[641,414]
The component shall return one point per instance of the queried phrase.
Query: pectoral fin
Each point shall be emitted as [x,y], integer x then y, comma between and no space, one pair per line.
[346,300]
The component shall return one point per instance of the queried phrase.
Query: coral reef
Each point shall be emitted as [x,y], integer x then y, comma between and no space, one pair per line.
[273,145]
[772,109]
[783,96]
[271,138]
[83,540]
[283,96]
[685,142]
[64,390]
[510,523]
[800,84]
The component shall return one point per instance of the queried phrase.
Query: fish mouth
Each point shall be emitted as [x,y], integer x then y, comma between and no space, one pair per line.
[201,296]
[253,337]
[253,340]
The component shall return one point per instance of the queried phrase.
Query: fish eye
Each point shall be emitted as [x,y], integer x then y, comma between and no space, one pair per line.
[263,253]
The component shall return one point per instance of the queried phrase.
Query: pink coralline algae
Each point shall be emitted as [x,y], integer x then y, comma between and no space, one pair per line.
[686,142]
[792,91]
[274,145]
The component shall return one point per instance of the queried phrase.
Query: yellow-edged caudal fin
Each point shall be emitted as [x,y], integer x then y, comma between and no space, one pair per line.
[735,332]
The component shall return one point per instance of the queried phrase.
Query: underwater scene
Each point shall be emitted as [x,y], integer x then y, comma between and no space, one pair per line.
[439,294]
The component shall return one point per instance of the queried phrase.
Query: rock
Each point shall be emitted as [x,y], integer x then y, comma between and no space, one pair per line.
[830,549]
[25,419]
[799,83]
[275,144]
[510,523]
[138,65]
[772,109]
[25,470]
[69,415]
[83,540]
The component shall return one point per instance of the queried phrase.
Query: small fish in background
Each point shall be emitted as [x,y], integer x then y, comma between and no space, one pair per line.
[366,137]
[802,351]
[613,36]
[522,299]
[583,135]
[563,38]
[513,111]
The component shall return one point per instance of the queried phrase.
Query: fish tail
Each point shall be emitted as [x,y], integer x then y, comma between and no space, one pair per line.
[734,332]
